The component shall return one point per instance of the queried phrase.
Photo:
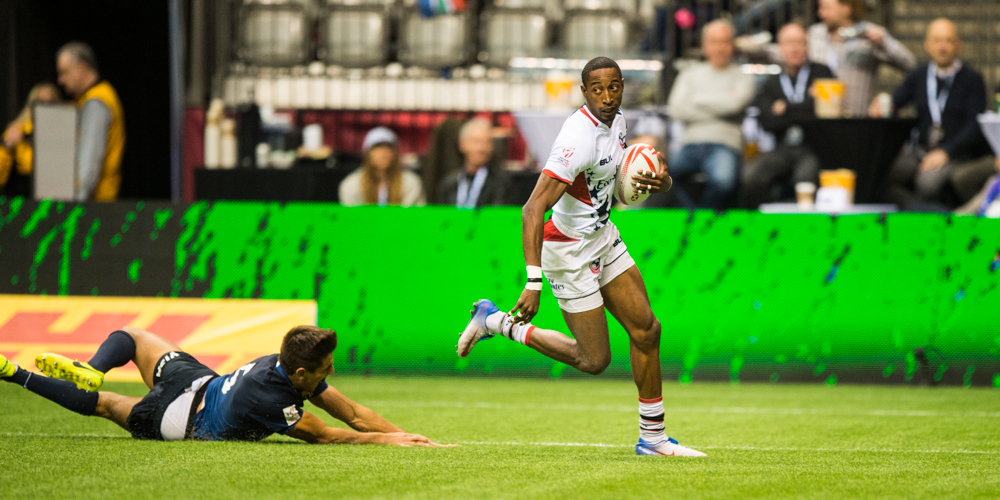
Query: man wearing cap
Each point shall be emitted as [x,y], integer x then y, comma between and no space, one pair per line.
[381,180]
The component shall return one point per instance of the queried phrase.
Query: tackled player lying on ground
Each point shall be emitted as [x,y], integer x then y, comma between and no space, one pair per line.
[187,400]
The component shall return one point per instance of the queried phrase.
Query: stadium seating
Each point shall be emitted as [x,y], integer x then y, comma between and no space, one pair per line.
[626,7]
[356,35]
[589,32]
[510,33]
[274,33]
[435,42]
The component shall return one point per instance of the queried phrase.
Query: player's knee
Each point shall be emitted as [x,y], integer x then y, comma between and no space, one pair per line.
[596,365]
[136,333]
[648,337]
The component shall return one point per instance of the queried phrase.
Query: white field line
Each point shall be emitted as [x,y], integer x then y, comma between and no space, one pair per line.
[588,445]
[681,409]
[74,435]
[739,448]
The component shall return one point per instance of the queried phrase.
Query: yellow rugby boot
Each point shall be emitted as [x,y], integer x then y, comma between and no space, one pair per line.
[83,375]
[7,367]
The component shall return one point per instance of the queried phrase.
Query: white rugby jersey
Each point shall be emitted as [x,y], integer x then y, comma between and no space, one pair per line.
[585,155]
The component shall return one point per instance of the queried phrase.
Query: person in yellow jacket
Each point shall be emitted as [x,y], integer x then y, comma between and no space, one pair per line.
[101,123]
[16,151]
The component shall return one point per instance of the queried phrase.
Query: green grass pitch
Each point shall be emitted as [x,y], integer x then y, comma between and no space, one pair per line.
[542,439]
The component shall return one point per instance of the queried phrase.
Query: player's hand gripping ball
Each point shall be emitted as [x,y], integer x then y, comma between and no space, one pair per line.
[641,160]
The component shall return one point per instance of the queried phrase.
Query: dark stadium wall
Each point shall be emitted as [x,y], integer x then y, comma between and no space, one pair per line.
[130,39]
[742,296]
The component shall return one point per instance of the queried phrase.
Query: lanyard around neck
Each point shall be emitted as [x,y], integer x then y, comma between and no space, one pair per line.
[798,93]
[469,195]
[934,102]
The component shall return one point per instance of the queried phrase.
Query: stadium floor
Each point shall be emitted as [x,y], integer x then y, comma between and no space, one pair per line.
[542,439]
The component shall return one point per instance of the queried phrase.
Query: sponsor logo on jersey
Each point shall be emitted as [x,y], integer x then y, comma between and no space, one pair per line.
[595,267]
[605,161]
[617,241]
[621,139]
[556,286]
[291,415]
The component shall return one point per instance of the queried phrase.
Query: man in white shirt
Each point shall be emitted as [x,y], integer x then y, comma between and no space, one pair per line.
[584,258]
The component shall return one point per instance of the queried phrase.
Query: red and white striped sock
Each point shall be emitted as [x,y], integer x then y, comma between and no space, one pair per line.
[503,324]
[521,333]
[651,420]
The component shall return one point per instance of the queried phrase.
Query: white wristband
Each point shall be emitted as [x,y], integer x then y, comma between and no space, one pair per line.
[534,271]
[534,278]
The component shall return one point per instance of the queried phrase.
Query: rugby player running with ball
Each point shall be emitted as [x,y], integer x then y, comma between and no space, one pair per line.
[583,257]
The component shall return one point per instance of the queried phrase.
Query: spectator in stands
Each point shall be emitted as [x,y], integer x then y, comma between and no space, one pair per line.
[16,152]
[951,150]
[784,101]
[986,203]
[709,99]
[853,49]
[479,182]
[101,123]
[381,180]
[443,157]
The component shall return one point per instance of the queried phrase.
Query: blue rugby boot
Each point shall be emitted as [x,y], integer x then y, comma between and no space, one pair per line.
[667,447]
[479,328]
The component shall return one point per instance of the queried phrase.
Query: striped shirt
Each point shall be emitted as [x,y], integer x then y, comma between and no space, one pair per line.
[855,62]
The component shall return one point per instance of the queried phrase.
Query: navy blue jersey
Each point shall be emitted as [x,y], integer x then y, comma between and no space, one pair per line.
[251,403]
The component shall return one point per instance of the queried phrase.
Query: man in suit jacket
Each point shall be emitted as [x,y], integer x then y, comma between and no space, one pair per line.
[478,183]
[784,101]
[946,165]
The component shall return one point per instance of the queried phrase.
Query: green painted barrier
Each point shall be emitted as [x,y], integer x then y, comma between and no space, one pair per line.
[741,295]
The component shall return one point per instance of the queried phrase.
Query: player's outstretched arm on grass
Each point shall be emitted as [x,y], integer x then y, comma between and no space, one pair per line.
[357,416]
[315,431]
[545,195]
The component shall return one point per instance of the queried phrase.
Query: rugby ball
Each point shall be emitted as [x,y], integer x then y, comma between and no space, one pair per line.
[639,159]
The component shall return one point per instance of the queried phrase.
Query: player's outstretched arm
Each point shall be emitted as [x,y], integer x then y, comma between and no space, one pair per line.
[315,431]
[357,416]
[545,195]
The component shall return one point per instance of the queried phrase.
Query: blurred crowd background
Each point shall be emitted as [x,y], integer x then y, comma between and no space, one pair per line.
[777,105]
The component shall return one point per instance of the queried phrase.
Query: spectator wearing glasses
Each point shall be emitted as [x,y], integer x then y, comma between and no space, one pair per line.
[949,161]
[784,101]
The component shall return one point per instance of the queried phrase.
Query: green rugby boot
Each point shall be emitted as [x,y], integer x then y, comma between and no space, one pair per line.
[7,367]
[83,375]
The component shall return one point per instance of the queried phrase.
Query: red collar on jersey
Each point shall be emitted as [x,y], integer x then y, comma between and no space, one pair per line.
[587,114]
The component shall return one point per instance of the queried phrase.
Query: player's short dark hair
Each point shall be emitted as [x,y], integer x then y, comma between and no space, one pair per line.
[306,347]
[80,52]
[599,63]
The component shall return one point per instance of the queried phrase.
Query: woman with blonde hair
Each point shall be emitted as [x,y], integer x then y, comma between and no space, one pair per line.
[16,153]
[381,180]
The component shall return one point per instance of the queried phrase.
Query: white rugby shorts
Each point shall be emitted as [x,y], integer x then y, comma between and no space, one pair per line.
[578,266]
